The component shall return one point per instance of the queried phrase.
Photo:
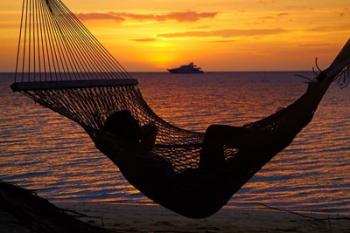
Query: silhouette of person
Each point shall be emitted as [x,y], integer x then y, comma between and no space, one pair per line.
[130,145]
[138,141]
[124,125]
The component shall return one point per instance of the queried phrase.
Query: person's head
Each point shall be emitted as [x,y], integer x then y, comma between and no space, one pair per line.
[123,124]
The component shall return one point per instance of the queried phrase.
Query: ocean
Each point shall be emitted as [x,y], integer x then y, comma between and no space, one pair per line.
[45,152]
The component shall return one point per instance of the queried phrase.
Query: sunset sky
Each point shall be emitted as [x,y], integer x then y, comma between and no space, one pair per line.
[218,35]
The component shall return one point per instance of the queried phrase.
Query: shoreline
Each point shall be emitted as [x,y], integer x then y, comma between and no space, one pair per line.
[154,218]
[23,211]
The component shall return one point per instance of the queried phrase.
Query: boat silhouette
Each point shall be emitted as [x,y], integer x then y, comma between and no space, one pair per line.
[187,69]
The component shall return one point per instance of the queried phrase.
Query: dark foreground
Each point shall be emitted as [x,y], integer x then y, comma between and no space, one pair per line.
[23,211]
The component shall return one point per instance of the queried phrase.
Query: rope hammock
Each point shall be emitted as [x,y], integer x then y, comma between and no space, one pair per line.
[63,67]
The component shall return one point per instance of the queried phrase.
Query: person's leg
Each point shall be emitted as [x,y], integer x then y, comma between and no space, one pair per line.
[226,135]
[216,136]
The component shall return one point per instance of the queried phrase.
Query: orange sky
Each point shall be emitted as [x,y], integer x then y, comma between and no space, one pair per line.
[218,35]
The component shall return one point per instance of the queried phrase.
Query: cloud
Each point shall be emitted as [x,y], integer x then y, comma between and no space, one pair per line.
[225,33]
[267,17]
[187,16]
[313,45]
[223,41]
[301,7]
[145,39]
[333,28]
[265,2]
[100,16]
[344,12]
[283,14]
[273,17]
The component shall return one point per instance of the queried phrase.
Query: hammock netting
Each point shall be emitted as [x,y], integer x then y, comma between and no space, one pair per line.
[62,66]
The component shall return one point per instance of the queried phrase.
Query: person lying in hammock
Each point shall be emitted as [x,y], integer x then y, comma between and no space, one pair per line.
[130,145]
[135,142]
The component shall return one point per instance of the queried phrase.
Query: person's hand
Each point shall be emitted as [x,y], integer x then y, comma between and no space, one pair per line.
[148,137]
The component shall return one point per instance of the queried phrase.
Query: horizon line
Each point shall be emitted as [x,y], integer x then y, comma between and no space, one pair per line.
[209,71]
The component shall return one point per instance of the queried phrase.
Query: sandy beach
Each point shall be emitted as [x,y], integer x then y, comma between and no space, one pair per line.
[152,218]
[23,211]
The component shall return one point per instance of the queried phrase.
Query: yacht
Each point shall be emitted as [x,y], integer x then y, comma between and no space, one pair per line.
[186,69]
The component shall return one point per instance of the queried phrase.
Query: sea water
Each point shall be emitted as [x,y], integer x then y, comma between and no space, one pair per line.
[52,155]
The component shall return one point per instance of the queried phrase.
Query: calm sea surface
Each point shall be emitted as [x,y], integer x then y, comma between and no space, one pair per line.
[41,150]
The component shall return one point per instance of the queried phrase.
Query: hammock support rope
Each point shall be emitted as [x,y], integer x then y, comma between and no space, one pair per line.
[62,66]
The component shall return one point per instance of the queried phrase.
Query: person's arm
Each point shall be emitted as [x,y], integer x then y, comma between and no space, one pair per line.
[113,147]
[148,136]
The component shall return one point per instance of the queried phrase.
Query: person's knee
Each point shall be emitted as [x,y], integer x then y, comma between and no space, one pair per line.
[213,129]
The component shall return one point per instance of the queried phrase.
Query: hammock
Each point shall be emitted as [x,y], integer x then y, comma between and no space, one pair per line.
[63,67]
